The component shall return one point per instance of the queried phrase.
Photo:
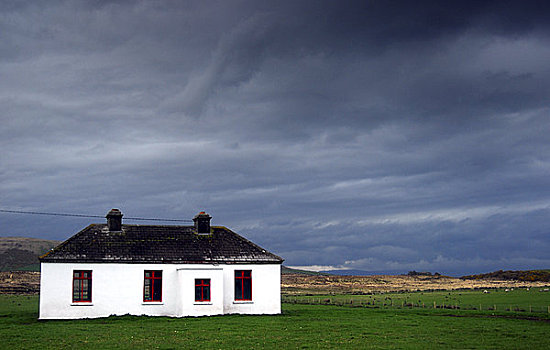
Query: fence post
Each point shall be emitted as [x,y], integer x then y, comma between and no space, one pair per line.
[434,304]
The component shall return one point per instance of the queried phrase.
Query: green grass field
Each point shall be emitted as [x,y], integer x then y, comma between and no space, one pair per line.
[534,300]
[299,327]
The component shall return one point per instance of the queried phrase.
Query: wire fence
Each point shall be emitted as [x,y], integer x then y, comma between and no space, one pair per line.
[88,216]
[402,304]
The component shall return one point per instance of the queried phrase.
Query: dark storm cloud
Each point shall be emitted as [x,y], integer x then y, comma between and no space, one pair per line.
[384,136]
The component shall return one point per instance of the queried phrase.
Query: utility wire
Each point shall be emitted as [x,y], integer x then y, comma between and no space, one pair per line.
[87,216]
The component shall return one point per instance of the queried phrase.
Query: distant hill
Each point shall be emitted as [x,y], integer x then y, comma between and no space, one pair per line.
[21,253]
[346,272]
[363,272]
[522,275]
[289,271]
[349,272]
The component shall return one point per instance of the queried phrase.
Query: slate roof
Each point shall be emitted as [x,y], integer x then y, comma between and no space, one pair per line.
[158,244]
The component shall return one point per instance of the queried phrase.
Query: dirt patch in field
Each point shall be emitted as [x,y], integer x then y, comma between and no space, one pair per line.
[19,282]
[304,284]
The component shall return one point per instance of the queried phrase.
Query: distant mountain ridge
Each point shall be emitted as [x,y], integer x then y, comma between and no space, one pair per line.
[351,272]
[522,275]
[285,270]
[21,253]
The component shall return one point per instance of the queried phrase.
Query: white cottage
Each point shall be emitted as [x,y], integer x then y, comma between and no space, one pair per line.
[156,270]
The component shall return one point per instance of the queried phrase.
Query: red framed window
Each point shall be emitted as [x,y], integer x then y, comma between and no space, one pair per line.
[243,285]
[152,285]
[82,286]
[202,289]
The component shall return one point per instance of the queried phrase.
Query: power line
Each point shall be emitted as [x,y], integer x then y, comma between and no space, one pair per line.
[87,216]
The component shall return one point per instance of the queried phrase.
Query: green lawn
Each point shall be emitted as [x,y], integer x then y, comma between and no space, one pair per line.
[522,300]
[300,326]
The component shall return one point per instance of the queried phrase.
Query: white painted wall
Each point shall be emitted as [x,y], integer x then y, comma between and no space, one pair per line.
[266,290]
[186,285]
[117,289]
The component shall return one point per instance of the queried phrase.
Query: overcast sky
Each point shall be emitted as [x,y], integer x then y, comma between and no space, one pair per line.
[381,136]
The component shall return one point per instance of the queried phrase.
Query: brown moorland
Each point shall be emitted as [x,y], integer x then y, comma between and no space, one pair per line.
[295,284]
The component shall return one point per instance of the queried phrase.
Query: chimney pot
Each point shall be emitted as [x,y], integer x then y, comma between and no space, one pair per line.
[202,223]
[114,220]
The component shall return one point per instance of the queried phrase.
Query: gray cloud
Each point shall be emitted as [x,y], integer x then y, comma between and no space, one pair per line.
[376,136]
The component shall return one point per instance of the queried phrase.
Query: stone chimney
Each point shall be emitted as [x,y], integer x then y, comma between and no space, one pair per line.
[202,223]
[114,220]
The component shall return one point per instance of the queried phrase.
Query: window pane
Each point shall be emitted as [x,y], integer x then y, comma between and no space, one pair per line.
[247,289]
[238,289]
[147,290]
[84,289]
[247,273]
[157,289]
[76,290]
[158,273]
[206,293]
[89,298]
[76,274]
[198,296]
[147,273]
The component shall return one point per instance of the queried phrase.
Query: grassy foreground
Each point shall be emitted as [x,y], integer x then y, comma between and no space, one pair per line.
[532,301]
[300,326]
